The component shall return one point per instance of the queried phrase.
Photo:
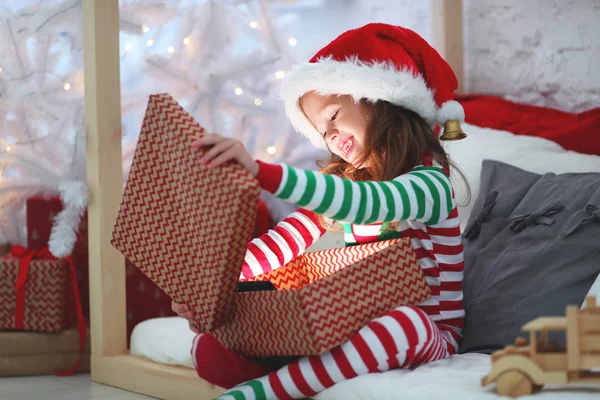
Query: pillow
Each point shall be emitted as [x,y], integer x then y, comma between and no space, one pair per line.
[544,257]
[577,132]
[502,189]
[530,153]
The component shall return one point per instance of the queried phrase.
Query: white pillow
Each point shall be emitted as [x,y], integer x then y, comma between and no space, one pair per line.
[530,153]
[166,340]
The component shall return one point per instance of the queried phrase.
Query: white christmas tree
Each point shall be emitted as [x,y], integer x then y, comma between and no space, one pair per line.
[223,60]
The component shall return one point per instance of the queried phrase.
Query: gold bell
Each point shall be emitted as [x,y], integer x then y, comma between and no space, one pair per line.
[452,131]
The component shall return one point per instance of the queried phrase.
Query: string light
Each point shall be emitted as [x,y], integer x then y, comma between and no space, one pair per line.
[149,42]
[128,46]
[239,91]
[145,29]
[292,42]
[171,49]
[67,86]
[8,148]
[186,40]
[279,74]
[0,70]
[271,150]
[253,24]
[257,101]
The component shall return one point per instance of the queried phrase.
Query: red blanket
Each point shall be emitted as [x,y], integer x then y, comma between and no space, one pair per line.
[577,132]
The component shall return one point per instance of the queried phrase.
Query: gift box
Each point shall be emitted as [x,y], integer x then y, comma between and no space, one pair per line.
[33,353]
[40,213]
[34,291]
[187,228]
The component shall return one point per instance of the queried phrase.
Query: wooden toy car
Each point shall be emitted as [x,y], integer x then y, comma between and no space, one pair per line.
[523,369]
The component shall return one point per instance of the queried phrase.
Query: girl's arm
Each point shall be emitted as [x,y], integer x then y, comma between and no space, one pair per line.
[424,194]
[290,238]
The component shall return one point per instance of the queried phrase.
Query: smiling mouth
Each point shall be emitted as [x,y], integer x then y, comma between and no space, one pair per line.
[347,146]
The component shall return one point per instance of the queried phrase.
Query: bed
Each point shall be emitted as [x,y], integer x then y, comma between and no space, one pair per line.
[158,363]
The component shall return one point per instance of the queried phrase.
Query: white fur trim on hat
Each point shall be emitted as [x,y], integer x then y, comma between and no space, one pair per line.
[448,111]
[374,81]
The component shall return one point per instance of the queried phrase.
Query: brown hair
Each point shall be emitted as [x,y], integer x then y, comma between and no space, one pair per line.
[397,139]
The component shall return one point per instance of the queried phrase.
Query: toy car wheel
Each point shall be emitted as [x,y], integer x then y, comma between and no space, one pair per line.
[515,384]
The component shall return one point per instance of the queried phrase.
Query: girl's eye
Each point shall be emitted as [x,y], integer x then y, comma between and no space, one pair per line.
[334,116]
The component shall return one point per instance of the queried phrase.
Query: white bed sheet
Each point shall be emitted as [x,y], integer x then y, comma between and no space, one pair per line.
[168,341]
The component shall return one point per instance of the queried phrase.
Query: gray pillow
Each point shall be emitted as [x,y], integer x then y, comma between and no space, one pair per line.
[544,256]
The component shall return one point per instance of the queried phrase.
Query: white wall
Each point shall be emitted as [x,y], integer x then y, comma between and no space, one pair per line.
[544,52]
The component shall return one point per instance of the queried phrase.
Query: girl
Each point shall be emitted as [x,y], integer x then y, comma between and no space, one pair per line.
[371,97]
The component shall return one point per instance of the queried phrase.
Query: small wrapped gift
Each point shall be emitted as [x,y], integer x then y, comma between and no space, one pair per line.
[35,290]
[40,213]
[187,228]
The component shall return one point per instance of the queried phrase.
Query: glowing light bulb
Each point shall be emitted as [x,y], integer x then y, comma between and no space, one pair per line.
[186,40]
[253,24]
[67,86]
[145,29]
[0,70]
[292,42]
[149,42]
[279,74]
[271,150]
[239,91]
[257,101]
[8,148]
[171,49]
[128,46]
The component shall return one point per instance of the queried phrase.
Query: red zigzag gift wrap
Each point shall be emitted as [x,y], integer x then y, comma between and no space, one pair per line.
[187,228]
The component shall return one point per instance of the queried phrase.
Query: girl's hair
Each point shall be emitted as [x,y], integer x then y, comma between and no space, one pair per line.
[396,140]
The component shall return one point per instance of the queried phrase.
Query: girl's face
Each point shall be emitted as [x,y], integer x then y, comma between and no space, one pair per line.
[342,122]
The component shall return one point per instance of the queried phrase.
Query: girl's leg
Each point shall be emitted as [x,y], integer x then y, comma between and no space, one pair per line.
[219,366]
[402,338]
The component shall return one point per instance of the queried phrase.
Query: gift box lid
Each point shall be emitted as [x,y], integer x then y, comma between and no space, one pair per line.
[185,226]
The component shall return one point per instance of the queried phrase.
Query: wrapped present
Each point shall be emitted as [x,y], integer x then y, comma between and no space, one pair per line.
[4,249]
[35,353]
[173,215]
[187,228]
[40,213]
[35,290]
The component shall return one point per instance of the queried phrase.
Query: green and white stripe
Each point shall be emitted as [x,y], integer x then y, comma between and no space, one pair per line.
[252,390]
[424,194]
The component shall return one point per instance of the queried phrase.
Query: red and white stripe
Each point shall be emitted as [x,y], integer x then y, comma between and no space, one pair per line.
[290,238]
[440,253]
[403,338]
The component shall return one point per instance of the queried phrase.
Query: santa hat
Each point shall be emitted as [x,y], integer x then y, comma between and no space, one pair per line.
[376,62]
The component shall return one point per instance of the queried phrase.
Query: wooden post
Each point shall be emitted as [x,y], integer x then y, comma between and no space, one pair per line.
[573,341]
[105,176]
[447,35]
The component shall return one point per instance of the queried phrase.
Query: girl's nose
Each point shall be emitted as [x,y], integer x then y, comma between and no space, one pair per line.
[333,136]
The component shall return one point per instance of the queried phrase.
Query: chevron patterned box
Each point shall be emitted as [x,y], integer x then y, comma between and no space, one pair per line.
[187,228]
[43,304]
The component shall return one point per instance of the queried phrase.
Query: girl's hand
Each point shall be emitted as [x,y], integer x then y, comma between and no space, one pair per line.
[184,311]
[225,149]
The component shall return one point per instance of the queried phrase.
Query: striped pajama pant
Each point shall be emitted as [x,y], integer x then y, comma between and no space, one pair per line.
[402,338]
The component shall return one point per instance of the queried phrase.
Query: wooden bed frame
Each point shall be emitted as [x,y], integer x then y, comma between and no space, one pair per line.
[111,363]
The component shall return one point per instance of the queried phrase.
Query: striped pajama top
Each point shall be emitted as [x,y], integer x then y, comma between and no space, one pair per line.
[421,202]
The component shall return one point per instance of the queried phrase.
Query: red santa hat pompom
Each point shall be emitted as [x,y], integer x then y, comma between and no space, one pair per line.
[376,62]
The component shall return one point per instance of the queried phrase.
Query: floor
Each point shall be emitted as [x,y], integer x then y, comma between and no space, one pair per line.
[76,387]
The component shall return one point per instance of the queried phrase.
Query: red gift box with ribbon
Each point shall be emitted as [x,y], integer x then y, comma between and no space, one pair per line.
[35,288]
